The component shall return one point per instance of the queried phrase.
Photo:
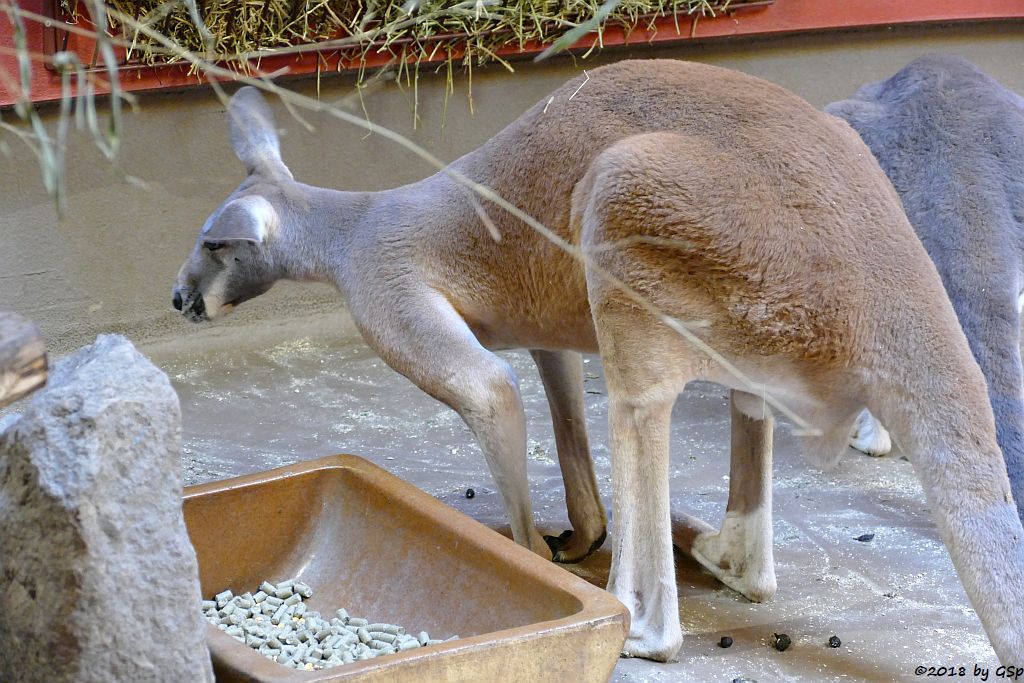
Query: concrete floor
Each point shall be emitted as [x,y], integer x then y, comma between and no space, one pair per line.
[895,601]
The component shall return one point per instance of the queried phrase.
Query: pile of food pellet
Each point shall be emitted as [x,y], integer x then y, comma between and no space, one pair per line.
[274,621]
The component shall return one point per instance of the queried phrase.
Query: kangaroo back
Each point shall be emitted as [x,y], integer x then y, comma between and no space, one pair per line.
[716,197]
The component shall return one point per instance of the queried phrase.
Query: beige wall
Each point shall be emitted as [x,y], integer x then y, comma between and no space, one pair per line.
[109,264]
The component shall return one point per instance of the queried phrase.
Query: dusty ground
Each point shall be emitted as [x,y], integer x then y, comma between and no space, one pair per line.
[895,601]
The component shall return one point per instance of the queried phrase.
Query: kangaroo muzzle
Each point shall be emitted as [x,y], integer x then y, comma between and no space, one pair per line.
[191,306]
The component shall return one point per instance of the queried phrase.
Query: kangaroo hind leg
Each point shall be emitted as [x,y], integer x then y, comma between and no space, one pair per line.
[869,436]
[740,553]
[646,367]
[643,569]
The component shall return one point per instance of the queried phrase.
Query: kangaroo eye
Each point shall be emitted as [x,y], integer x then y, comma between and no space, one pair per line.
[213,246]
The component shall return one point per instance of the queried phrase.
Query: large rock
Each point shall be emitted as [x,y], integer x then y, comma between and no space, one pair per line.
[98,579]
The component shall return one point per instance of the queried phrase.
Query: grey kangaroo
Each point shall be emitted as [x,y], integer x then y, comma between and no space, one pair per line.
[951,140]
[717,197]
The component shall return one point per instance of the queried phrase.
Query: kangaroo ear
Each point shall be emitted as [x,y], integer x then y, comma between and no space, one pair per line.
[253,132]
[249,219]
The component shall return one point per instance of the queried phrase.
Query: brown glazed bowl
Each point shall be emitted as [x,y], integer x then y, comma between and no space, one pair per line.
[367,541]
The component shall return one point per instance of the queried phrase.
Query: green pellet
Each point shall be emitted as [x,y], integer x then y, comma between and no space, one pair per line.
[276,622]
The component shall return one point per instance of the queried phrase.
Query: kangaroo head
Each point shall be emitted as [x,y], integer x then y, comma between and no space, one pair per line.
[233,257]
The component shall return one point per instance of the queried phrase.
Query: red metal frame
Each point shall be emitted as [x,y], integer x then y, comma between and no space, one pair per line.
[783,16]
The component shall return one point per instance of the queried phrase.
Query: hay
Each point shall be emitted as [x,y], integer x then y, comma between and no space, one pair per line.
[408,31]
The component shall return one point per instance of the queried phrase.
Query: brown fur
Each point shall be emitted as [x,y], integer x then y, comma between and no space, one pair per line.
[726,202]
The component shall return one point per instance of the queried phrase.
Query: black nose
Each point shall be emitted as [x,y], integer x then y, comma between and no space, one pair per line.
[177,300]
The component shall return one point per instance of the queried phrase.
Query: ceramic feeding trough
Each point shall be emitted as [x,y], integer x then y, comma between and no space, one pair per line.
[365,540]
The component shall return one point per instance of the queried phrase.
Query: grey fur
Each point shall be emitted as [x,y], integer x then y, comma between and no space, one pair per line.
[253,134]
[951,140]
[433,294]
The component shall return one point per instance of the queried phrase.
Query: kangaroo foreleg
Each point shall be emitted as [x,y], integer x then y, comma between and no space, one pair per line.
[562,375]
[431,345]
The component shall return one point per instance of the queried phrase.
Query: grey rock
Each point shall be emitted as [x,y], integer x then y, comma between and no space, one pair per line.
[98,579]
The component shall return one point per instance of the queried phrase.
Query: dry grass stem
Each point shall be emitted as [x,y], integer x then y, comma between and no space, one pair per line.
[143,33]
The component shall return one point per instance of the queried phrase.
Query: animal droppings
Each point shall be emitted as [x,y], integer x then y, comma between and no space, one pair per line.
[834,641]
[726,641]
[470,493]
[276,623]
[782,642]
[864,538]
